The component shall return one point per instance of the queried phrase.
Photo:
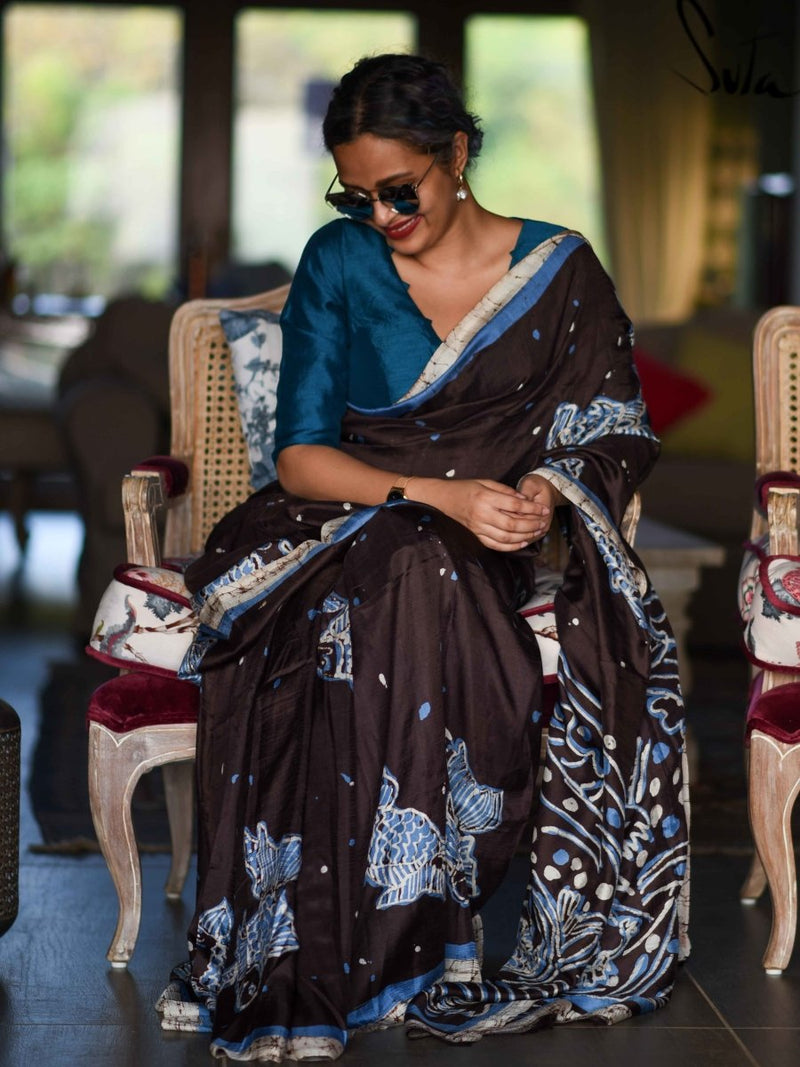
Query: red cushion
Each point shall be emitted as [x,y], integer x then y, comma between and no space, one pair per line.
[776,713]
[135,700]
[174,472]
[670,394]
[774,480]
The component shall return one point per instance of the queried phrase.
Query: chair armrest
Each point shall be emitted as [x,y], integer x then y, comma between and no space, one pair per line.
[782,521]
[149,486]
[142,496]
[765,483]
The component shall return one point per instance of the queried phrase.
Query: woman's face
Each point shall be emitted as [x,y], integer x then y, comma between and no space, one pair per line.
[371,163]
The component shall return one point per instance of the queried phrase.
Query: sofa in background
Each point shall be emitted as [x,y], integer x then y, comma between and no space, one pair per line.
[113,411]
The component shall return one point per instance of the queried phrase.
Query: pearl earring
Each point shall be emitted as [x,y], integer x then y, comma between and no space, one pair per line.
[461,191]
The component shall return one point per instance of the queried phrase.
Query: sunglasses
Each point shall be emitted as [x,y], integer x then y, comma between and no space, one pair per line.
[402,199]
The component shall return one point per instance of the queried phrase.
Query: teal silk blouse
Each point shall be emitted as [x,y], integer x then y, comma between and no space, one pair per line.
[351,332]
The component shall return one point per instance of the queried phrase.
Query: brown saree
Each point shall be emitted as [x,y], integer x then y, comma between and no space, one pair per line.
[372,707]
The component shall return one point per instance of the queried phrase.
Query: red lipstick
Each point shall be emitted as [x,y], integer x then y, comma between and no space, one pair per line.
[400,230]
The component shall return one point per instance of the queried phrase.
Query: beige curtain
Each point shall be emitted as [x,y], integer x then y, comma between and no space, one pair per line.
[654,133]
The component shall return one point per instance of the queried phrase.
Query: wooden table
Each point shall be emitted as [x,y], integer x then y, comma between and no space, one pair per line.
[674,560]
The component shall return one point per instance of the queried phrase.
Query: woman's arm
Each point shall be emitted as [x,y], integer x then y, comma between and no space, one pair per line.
[312,395]
[499,516]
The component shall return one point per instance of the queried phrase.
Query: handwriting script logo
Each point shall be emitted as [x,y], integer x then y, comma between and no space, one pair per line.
[734,82]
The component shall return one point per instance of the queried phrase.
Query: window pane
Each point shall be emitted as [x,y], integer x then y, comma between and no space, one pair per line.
[91,113]
[529,78]
[288,62]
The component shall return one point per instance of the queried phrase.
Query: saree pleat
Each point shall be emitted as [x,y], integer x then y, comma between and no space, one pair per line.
[372,708]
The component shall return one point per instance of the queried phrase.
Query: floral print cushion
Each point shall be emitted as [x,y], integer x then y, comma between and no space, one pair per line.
[144,621]
[769,605]
[748,574]
[255,342]
[540,614]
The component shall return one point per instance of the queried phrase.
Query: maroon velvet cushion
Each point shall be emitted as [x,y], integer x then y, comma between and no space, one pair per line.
[670,394]
[135,700]
[174,471]
[776,713]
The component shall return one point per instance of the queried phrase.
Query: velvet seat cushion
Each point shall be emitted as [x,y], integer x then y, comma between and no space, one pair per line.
[134,700]
[775,713]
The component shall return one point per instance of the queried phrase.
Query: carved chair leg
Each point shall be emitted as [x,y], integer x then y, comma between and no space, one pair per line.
[755,883]
[114,769]
[774,781]
[179,795]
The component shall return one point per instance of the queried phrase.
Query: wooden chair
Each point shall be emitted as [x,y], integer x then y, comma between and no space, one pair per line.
[773,718]
[136,721]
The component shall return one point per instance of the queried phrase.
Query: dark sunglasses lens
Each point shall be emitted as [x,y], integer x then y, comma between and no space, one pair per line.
[355,207]
[356,211]
[406,207]
[402,198]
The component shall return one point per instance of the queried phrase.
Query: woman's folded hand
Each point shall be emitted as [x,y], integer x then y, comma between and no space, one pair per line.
[499,516]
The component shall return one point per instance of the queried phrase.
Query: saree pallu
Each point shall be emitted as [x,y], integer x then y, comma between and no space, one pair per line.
[372,708]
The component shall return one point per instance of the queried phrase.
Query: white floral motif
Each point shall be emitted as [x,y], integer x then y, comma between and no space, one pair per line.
[572,465]
[335,649]
[266,933]
[559,935]
[602,416]
[409,857]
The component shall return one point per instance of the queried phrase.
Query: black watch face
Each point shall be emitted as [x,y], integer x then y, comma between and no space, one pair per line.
[395,494]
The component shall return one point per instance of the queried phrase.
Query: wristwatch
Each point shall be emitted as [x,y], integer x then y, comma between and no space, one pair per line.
[398,490]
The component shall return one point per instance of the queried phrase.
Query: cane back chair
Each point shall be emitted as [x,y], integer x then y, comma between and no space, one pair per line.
[769,598]
[138,721]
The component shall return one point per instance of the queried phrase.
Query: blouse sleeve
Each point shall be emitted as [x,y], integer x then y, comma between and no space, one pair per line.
[313,383]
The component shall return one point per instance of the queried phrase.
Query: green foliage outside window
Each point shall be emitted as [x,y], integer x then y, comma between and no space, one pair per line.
[529,80]
[91,119]
[80,83]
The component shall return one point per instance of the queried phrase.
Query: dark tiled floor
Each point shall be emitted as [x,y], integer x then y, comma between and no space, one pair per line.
[60,1003]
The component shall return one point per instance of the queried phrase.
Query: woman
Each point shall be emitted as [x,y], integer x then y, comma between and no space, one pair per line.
[372,702]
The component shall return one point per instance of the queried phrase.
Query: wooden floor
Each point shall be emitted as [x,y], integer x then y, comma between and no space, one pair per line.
[61,1004]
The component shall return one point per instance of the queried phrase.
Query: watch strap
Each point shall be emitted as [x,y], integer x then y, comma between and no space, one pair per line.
[398,490]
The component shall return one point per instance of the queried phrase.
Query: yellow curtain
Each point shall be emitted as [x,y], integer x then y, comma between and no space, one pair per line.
[654,131]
